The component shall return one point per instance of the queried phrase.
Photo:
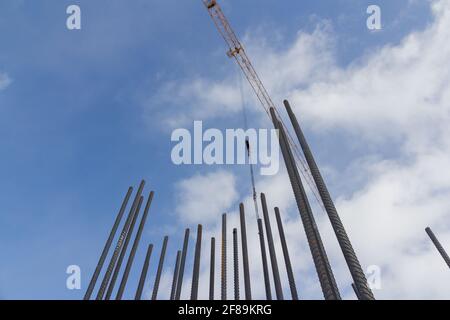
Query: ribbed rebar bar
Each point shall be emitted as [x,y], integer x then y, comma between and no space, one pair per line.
[134,247]
[119,244]
[356,291]
[438,246]
[212,268]
[175,275]
[144,272]
[182,264]
[327,272]
[323,268]
[353,264]
[160,268]
[236,264]
[123,252]
[287,259]
[196,267]
[108,243]
[224,258]
[272,253]
[248,292]
[264,259]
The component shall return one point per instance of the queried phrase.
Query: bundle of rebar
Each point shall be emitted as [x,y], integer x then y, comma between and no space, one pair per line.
[318,253]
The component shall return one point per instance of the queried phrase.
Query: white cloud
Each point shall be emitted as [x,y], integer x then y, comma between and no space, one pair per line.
[199,98]
[202,198]
[402,93]
[5,81]
[194,99]
[395,97]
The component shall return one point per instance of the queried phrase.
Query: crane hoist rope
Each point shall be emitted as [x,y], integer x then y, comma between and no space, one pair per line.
[247,143]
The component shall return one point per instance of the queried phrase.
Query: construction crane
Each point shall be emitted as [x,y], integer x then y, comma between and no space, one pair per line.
[236,51]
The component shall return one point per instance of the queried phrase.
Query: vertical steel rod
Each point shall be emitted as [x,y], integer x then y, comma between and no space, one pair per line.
[224,258]
[248,293]
[123,252]
[355,289]
[236,264]
[182,264]
[144,271]
[119,244]
[134,248]
[175,275]
[353,264]
[323,268]
[196,268]
[287,259]
[108,243]
[264,260]
[272,253]
[438,246]
[160,268]
[212,268]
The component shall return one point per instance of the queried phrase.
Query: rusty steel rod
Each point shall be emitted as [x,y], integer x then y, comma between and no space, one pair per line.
[351,259]
[134,247]
[272,253]
[323,268]
[175,275]
[212,268]
[236,264]
[224,258]
[119,244]
[123,252]
[108,243]
[182,265]
[438,246]
[144,272]
[264,259]
[287,259]
[248,292]
[160,268]
[355,289]
[196,267]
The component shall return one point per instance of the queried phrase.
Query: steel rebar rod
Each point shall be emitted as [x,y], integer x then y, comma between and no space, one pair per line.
[224,258]
[323,268]
[248,293]
[438,246]
[326,271]
[272,253]
[287,259]
[160,268]
[119,244]
[264,259]
[236,264]
[108,243]
[196,267]
[182,264]
[144,272]
[123,252]
[351,259]
[212,268]
[175,275]
[134,247]
[355,289]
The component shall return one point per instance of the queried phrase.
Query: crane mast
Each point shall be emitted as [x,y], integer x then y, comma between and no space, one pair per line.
[236,51]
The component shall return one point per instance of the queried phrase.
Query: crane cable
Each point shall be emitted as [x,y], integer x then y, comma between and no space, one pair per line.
[304,171]
[247,143]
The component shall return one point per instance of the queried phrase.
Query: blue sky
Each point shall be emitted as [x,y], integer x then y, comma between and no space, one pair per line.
[83,117]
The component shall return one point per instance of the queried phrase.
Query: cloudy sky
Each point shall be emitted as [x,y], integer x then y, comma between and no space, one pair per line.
[84,114]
